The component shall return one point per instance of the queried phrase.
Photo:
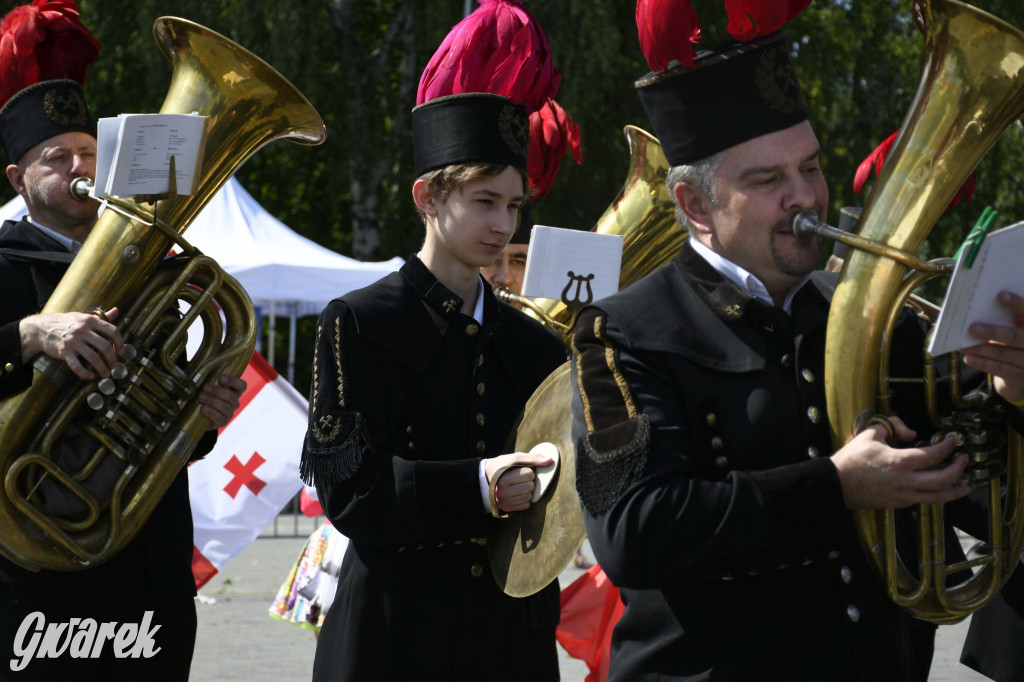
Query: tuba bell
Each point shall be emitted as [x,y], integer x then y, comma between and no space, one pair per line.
[972,88]
[84,463]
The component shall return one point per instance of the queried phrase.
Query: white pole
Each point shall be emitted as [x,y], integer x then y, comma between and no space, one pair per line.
[259,330]
[271,334]
[291,345]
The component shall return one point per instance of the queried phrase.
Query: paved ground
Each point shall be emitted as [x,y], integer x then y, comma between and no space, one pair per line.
[237,640]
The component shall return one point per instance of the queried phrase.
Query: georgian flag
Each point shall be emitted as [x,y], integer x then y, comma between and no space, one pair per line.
[251,474]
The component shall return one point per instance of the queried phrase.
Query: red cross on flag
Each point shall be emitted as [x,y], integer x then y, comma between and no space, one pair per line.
[251,474]
[245,474]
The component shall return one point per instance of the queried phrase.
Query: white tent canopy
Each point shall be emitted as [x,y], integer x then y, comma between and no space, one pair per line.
[276,266]
[283,272]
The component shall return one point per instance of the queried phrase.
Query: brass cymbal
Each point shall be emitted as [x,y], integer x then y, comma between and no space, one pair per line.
[530,548]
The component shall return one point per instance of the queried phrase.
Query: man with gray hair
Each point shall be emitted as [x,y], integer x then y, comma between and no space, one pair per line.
[711,492]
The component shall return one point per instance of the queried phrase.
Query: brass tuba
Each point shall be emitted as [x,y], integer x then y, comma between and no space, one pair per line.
[84,463]
[972,88]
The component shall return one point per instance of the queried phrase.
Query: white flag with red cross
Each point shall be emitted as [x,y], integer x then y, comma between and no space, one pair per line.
[251,474]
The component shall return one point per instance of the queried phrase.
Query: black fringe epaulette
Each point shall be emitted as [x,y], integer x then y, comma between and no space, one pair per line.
[602,474]
[331,464]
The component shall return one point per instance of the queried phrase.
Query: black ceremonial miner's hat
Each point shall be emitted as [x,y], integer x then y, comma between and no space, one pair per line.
[42,111]
[470,128]
[733,94]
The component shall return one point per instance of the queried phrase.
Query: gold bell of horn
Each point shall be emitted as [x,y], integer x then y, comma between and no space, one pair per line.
[129,438]
[972,88]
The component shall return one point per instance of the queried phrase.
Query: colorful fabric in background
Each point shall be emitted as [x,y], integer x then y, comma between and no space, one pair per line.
[308,591]
[590,609]
[252,473]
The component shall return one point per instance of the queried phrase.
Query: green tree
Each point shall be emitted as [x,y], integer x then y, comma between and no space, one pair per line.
[359,63]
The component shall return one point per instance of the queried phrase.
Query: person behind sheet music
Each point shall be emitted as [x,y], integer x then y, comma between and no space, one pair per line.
[508,272]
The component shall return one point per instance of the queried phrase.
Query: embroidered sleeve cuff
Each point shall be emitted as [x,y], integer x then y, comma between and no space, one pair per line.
[485,489]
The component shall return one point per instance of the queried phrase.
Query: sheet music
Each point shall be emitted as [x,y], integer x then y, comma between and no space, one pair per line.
[134,152]
[106,145]
[580,264]
[971,295]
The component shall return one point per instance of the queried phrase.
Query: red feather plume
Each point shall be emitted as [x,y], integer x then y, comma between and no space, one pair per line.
[876,159]
[499,48]
[43,41]
[552,131]
[749,19]
[668,30]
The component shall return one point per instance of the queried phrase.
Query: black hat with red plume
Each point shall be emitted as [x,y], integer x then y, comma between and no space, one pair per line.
[487,96]
[701,104]
[44,53]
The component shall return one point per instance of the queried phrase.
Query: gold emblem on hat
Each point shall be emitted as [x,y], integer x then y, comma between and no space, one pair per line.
[776,82]
[65,109]
[514,131]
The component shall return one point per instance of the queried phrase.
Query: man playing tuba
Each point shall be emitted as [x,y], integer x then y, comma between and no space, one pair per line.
[711,492]
[48,137]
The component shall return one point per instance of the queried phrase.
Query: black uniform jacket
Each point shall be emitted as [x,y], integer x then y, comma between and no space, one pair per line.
[408,395]
[157,565]
[993,642]
[708,494]
[27,284]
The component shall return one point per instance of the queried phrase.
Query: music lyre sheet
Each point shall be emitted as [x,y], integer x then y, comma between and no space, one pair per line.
[572,265]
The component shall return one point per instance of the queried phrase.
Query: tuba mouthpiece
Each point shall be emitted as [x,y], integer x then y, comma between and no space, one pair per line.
[80,188]
[805,224]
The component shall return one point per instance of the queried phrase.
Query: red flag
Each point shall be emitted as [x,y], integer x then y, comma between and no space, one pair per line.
[590,609]
[251,474]
[309,503]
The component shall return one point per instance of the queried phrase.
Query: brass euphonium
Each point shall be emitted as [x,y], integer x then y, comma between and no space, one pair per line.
[84,463]
[972,88]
